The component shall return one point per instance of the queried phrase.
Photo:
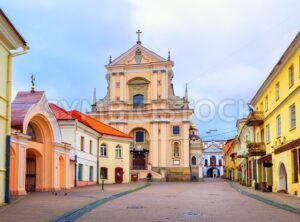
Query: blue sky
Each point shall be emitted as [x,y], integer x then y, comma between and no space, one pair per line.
[223,49]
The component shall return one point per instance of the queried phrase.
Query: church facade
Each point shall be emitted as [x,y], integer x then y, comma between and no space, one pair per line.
[213,158]
[141,101]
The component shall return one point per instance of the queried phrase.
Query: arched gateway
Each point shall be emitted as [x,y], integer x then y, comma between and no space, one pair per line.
[39,158]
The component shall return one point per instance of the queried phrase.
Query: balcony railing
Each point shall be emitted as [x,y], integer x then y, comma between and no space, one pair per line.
[255,118]
[140,145]
[256,149]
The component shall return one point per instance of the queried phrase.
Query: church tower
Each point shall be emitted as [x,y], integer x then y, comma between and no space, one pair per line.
[140,101]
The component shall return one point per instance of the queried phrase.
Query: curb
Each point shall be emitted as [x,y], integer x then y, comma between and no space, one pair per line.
[266,201]
[79,212]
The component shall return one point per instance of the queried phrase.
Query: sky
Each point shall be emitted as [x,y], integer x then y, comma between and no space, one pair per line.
[222,49]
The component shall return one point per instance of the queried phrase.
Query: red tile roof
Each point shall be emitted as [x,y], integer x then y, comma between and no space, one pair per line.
[228,145]
[97,125]
[60,113]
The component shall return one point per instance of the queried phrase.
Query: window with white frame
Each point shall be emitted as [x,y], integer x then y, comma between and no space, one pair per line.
[118,151]
[277,91]
[292,116]
[291,76]
[268,133]
[103,150]
[278,126]
[266,103]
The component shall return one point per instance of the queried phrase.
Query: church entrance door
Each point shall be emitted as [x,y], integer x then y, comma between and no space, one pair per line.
[139,161]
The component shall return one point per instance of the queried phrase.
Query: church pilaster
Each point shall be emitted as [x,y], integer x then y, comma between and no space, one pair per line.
[154,145]
[163,144]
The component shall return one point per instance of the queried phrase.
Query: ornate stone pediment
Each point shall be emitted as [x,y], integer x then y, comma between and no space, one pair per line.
[138,54]
[138,81]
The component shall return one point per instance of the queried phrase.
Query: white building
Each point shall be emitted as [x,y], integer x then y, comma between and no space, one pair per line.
[213,158]
[84,143]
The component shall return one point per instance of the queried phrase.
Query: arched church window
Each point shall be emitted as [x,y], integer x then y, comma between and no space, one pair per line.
[139,136]
[194,161]
[176,149]
[138,100]
[31,132]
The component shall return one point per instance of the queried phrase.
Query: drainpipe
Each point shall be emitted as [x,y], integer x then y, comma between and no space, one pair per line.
[98,155]
[8,115]
[75,172]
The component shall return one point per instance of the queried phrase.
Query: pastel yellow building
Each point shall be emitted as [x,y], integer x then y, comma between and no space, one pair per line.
[114,159]
[276,147]
[10,42]
[231,160]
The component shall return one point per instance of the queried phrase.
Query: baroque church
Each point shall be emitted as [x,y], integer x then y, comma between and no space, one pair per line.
[141,101]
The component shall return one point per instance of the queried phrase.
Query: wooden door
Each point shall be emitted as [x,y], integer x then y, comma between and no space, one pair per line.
[30,184]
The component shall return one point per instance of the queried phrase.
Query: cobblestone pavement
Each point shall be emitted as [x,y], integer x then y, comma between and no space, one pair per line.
[214,200]
[281,198]
[44,206]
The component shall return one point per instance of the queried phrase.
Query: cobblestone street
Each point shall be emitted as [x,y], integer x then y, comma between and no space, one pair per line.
[212,200]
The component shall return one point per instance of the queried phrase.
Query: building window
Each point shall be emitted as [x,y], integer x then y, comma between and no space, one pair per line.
[103,150]
[103,173]
[268,134]
[277,91]
[118,151]
[278,126]
[220,162]
[91,173]
[291,76]
[82,143]
[266,103]
[292,116]
[262,135]
[117,84]
[138,100]
[205,162]
[176,130]
[176,150]
[91,147]
[295,166]
[213,161]
[194,161]
[80,171]
[139,136]
[262,106]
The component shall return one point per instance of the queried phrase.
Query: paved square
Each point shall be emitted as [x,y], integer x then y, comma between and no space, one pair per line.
[212,201]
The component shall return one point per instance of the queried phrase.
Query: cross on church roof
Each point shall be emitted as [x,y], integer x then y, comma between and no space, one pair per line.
[32,83]
[139,35]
